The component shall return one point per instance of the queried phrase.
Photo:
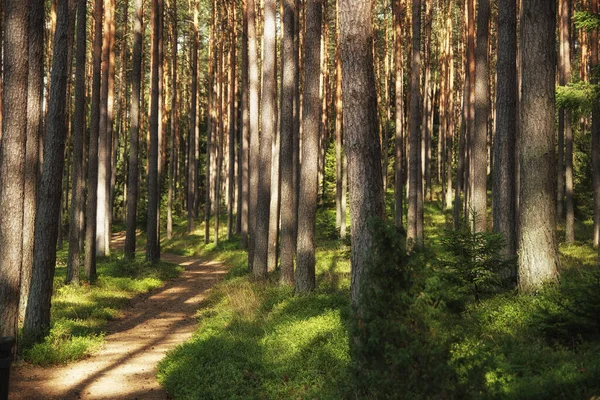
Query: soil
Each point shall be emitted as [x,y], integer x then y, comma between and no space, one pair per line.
[125,368]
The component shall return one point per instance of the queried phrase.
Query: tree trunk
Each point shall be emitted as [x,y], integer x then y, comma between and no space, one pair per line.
[268,124]
[78,196]
[504,182]
[191,193]
[92,195]
[311,112]
[415,185]
[37,315]
[287,143]
[132,187]
[399,110]
[538,247]
[482,111]
[340,217]
[254,134]
[361,133]
[12,162]
[232,125]
[35,123]
[245,142]
[152,251]
[595,129]
[174,122]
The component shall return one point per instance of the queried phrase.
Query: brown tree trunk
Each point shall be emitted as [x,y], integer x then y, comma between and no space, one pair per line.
[78,196]
[361,133]
[415,186]
[482,111]
[311,111]
[174,122]
[92,197]
[245,142]
[232,125]
[399,110]
[287,143]
[152,249]
[12,162]
[268,124]
[504,190]
[340,215]
[254,83]
[191,192]
[37,315]
[133,174]
[538,247]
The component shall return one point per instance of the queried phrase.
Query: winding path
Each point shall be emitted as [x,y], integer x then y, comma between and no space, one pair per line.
[125,368]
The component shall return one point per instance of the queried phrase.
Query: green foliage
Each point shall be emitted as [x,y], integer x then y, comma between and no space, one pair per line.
[396,349]
[586,21]
[474,261]
[80,313]
[579,96]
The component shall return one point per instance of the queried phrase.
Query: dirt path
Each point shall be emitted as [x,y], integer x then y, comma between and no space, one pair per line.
[126,366]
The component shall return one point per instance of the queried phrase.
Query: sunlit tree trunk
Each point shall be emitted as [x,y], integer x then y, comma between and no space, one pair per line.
[399,110]
[254,82]
[174,122]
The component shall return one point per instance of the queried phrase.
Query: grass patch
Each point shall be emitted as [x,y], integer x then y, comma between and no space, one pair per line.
[80,313]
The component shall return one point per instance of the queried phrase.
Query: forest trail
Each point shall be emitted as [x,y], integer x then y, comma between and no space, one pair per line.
[125,368]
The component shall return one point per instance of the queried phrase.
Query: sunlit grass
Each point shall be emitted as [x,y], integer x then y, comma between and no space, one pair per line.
[80,313]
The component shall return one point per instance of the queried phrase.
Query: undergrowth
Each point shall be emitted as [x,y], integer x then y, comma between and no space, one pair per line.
[258,340]
[80,313]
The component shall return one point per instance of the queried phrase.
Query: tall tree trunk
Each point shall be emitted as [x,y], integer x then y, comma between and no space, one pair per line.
[211,134]
[482,111]
[92,195]
[152,251]
[340,216]
[174,122]
[538,247]
[245,142]
[287,143]
[307,206]
[415,185]
[191,194]
[132,187]
[504,183]
[232,125]
[35,123]
[399,110]
[78,196]
[268,124]
[361,133]
[37,315]
[110,132]
[219,137]
[254,83]
[12,162]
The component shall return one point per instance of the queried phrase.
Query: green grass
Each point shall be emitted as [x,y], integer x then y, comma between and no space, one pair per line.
[257,340]
[80,313]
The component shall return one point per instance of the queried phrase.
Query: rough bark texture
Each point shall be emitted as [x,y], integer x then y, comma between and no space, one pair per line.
[287,145]
[254,137]
[361,132]
[414,172]
[311,119]
[12,162]
[92,198]
[482,111]
[232,130]
[538,247]
[191,193]
[245,142]
[152,250]
[340,158]
[174,122]
[37,315]
[134,130]
[78,196]
[35,122]
[268,124]
[504,182]
[399,110]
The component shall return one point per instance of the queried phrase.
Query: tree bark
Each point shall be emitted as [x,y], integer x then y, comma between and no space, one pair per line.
[174,122]
[191,193]
[399,110]
[311,112]
[482,111]
[232,125]
[132,187]
[12,162]
[504,188]
[152,250]
[37,315]
[595,129]
[538,248]
[268,124]
[78,196]
[361,133]
[415,185]
[245,142]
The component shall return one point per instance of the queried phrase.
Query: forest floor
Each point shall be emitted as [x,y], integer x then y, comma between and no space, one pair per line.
[126,366]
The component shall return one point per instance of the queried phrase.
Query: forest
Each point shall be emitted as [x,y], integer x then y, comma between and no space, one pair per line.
[311,199]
